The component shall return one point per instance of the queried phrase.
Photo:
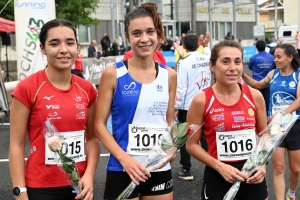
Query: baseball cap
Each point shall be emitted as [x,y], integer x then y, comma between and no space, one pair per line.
[191,32]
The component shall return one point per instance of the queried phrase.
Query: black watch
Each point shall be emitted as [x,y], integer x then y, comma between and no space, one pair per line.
[18,190]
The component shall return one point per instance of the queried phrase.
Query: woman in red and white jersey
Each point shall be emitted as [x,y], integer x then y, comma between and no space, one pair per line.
[69,101]
[233,114]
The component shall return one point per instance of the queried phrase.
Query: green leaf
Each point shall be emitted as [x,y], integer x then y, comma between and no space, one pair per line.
[74,176]
[65,159]
[68,168]
[182,129]
[181,141]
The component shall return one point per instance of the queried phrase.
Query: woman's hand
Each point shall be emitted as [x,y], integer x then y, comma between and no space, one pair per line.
[172,152]
[259,176]
[88,187]
[231,174]
[135,170]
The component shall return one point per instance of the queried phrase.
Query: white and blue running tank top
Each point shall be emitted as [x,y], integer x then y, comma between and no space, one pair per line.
[137,103]
[283,91]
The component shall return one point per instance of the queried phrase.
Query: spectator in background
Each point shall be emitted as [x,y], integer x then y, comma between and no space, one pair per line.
[91,49]
[229,36]
[272,46]
[181,40]
[77,67]
[176,39]
[115,48]
[255,40]
[180,52]
[261,64]
[240,41]
[167,46]
[99,53]
[122,49]
[105,43]
[296,38]
[200,40]
[190,81]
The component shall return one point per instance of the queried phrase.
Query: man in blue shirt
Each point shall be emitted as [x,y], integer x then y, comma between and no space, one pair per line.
[261,64]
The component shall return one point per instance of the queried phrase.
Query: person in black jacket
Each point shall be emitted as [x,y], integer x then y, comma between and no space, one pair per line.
[115,48]
[105,43]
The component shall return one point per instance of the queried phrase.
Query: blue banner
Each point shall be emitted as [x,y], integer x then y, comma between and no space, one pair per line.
[170,58]
[248,52]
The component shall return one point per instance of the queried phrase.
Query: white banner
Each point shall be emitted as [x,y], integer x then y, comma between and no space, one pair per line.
[30,16]
[93,67]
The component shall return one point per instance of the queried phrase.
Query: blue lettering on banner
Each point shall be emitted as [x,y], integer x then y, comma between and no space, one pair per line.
[170,58]
[248,52]
[32,4]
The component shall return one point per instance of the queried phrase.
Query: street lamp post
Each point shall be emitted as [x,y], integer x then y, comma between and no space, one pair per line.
[112,3]
[275,20]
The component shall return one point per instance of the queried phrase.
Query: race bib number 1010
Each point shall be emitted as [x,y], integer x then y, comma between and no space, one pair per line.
[142,137]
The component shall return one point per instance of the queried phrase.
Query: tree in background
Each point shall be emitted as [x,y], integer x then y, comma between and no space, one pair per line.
[77,11]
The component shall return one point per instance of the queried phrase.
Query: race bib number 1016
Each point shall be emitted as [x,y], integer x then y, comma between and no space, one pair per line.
[235,145]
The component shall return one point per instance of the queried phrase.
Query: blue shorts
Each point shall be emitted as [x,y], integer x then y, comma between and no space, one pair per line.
[215,186]
[160,183]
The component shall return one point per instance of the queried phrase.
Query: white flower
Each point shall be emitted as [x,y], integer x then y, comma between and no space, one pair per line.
[54,143]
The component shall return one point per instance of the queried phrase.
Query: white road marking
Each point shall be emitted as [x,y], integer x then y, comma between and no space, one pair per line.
[101,155]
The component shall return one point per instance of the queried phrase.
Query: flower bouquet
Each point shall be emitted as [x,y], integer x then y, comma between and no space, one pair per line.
[164,150]
[67,166]
[278,127]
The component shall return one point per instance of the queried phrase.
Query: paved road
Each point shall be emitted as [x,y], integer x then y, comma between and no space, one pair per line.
[183,190]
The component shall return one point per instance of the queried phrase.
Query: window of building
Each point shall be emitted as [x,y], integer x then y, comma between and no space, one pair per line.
[212,32]
[83,34]
[222,29]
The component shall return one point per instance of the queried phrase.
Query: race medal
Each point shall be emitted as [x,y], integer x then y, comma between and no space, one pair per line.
[235,145]
[72,146]
[142,137]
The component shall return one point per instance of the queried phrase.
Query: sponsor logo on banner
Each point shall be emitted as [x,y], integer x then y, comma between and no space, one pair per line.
[30,50]
[30,16]
[31,4]
[93,68]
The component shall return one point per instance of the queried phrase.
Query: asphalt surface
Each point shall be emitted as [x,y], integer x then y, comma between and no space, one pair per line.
[183,190]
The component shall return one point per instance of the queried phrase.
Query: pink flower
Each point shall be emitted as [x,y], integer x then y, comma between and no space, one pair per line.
[54,143]
[189,131]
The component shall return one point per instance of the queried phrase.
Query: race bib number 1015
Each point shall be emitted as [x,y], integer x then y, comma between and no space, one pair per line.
[72,147]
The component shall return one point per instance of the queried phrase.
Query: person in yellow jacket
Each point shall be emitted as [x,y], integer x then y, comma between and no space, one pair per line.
[180,52]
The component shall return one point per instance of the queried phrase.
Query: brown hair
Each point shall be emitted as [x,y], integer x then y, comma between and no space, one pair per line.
[290,50]
[217,48]
[146,10]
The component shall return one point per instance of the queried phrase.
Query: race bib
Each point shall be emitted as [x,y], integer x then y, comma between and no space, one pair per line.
[235,145]
[142,137]
[72,147]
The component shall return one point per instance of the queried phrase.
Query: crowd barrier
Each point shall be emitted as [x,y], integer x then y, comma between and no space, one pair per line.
[248,52]
[93,67]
